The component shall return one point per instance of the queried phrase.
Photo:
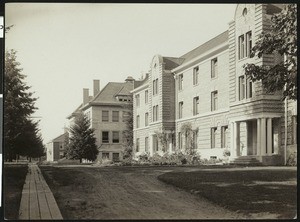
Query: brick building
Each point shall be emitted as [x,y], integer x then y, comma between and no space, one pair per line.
[206,89]
[106,110]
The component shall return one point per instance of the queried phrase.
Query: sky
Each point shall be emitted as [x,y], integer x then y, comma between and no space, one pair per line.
[62,48]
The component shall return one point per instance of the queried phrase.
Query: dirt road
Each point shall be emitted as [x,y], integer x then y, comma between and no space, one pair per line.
[126,193]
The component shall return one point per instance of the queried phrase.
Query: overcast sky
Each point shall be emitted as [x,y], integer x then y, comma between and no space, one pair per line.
[63,47]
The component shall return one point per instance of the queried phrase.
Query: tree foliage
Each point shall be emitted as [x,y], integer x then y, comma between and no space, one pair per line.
[128,133]
[21,135]
[281,40]
[82,140]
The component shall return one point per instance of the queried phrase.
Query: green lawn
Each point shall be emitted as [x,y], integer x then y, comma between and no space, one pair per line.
[13,180]
[272,191]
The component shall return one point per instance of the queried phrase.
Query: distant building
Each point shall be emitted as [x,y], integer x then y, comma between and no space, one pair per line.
[107,110]
[56,148]
[207,89]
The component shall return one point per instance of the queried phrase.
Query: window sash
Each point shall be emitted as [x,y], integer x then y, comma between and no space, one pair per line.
[180,80]
[105,116]
[137,121]
[241,88]
[146,96]
[214,67]
[196,106]
[137,145]
[116,137]
[146,144]
[105,137]
[196,75]
[146,119]
[213,137]
[214,100]
[115,116]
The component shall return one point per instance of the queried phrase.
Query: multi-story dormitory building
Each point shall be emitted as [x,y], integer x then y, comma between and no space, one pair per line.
[207,88]
[107,109]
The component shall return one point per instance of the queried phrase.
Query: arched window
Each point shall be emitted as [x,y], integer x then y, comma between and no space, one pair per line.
[245,12]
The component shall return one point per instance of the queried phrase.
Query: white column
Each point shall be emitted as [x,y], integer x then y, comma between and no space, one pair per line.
[258,129]
[232,142]
[151,144]
[237,138]
[263,137]
[269,136]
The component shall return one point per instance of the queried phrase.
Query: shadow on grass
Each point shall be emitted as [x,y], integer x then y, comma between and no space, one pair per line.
[249,192]
[13,180]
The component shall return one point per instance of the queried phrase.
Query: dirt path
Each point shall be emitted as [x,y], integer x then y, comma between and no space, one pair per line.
[132,193]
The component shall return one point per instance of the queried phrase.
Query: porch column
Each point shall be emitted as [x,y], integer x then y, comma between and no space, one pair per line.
[232,143]
[263,137]
[269,136]
[151,144]
[237,138]
[258,146]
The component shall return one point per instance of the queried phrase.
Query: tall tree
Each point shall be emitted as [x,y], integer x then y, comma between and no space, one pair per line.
[128,133]
[82,140]
[19,104]
[281,39]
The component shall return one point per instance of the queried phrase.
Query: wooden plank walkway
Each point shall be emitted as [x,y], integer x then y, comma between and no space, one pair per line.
[37,200]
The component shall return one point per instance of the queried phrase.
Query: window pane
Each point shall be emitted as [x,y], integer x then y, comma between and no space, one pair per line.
[105,116]
[105,155]
[105,137]
[116,137]
[214,68]
[115,117]
[241,87]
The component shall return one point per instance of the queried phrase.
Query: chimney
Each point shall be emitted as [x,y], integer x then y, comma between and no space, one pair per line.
[96,86]
[85,96]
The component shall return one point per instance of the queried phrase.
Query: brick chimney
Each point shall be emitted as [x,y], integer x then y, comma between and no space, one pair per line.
[96,86]
[85,96]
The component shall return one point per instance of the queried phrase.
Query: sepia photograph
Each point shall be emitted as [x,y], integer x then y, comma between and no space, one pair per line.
[147,111]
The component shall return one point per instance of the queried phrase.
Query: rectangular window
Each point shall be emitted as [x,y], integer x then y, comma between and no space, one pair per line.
[241,47]
[195,139]
[146,96]
[137,121]
[196,105]
[137,145]
[105,155]
[155,143]
[157,116]
[116,137]
[154,114]
[179,140]
[146,119]
[224,136]
[180,81]
[116,157]
[214,67]
[146,144]
[156,87]
[180,110]
[196,75]
[153,87]
[105,116]
[213,132]
[115,116]
[105,137]
[248,43]
[214,100]
[249,88]
[137,99]
[241,87]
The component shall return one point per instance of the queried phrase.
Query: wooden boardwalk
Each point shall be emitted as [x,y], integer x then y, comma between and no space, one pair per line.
[37,202]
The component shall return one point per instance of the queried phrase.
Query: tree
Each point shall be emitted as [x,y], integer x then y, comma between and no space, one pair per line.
[18,106]
[187,131]
[128,133]
[82,140]
[281,39]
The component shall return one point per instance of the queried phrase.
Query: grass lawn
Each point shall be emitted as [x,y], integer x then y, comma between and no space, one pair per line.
[13,180]
[249,191]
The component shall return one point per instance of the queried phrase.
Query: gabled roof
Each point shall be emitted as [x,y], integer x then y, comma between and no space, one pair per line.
[222,38]
[60,138]
[172,62]
[76,111]
[141,82]
[111,90]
